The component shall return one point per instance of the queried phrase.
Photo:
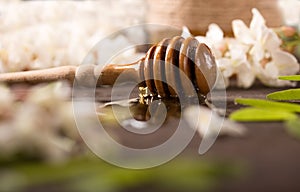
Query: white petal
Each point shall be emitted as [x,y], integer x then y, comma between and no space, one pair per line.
[275,82]
[225,66]
[257,23]
[257,52]
[186,32]
[232,128]
[286,62]
[242,33]
[269,76]
[238,52]
[272,41]
[209,123]
[271,70]
[203,39]
[217,52]
[215,33]
[245,76]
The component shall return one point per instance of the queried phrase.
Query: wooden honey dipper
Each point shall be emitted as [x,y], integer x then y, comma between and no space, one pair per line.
[158,70]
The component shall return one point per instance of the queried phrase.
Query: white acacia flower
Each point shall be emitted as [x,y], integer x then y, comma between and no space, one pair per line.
[214,39]
[235,62]
[58,33]
[253,52]
[209,123]
[267,59]
[231,57]
[280,64]
[41,124]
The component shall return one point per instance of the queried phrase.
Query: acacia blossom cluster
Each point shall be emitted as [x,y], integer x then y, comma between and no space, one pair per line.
[39,123]
[253,52]
[44,34]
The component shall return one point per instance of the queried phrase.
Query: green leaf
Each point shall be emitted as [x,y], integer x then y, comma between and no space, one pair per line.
[290,94]
[256,114]
[293,127]
[290,77]
[267,104]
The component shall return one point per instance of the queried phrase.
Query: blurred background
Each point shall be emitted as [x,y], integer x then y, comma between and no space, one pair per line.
[40,148]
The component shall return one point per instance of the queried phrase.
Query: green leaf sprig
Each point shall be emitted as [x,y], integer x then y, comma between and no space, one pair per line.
[285,95]
[289,94]
[263,110]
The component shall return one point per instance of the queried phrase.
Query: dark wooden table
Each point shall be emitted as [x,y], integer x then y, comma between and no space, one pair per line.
[271,156]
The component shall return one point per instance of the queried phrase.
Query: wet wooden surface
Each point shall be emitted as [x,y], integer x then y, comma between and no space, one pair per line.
[269,155]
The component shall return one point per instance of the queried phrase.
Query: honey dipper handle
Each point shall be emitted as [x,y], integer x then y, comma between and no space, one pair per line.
[91,75]
[110,73]
[85,75]
[40,76]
